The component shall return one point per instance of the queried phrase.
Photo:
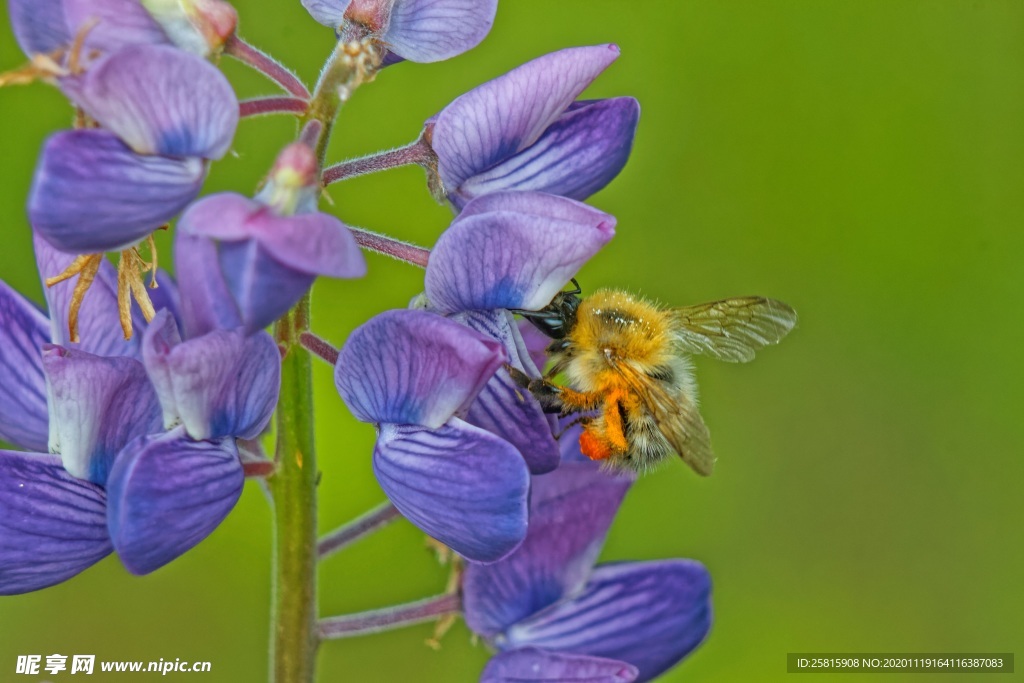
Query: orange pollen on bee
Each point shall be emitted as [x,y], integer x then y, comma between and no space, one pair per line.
[594,447]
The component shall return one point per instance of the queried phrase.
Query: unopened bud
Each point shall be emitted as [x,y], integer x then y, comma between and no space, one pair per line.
[292,185]
[198,26]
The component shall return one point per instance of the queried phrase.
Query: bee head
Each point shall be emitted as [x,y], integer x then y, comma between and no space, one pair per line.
[558,318]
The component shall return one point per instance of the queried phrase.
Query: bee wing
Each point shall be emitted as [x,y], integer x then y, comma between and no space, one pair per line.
[733,329]
[676,416]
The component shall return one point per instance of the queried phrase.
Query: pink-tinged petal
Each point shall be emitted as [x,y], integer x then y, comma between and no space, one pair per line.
[91,193]
[650,614]
[328,12]
[206,300]
[167,493]
[96,406]
[502,407]
[578,154]
[23,331]
[414,367]
[460,484]
[433,30]
[159,100]
[223,383]
[508,114]
[116,24]
[99,326]
[510,259]
[535,664]
[571,510]
[40,26]
[52,526]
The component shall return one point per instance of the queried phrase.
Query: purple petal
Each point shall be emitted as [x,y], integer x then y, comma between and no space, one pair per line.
[503,408]
[414,367]
[92,194]
[23,331]
[52,526]
[311,243]
[461,485]
[159,100]
[99,326]
[261,286]
[328,12]
[166,295]
[206,300]
[167,493]
[39,26]
[97,405]
[534,664]
[508,114]
[650,614]
[506,259]
[118,24]
[571,510]
[220,384]
[432,30]
[535,343]
[578,154]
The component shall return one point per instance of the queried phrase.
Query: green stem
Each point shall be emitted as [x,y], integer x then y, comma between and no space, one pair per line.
[294,637]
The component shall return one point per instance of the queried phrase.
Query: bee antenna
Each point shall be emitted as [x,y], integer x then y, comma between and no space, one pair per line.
[576,285]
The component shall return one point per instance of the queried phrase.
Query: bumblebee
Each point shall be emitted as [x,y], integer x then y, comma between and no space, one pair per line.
[630,379]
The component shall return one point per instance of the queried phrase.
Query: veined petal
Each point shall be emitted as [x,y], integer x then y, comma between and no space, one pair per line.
[262,287]
[650,614]
[504,259]
[571,510]
[328,12]
[541,204]
[117,24]
[167,493]
[91,193]
[159,100]
[535,343]
[535,664]
[52,526]
[414,367]
[23,331]
[99,326]
[96,406]
[432,30]
[460,484]
[508,114]
[576,156]
[40,26]
[206,300]
[503,407]
[223,383]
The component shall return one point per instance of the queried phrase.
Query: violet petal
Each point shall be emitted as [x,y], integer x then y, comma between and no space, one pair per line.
[508,114]
[159,100]
[167,493]
[414,367]
[433,30]
[96,406]
[206,300]
[576,156]
[506,259]
[650,614]
[330,13]
[39,26]
[220,384]
[117,24]
[23,331]
[535,664]
[461,485]
[503,407]
[571,510]
[91,193]
[52,526]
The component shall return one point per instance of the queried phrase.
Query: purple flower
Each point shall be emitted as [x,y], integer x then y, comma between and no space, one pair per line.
[414,374]
[512,250]
[268,250]
[553,616]
[525,131]
[164,113]
[417,30]
[118,480]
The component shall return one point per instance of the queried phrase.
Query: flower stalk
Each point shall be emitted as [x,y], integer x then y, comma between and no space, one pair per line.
[358,528]
[262,106]
[388,618]
[418,152]
[389,246]
[266,65]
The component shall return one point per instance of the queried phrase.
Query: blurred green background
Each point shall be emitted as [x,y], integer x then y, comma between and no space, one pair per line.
[863,161]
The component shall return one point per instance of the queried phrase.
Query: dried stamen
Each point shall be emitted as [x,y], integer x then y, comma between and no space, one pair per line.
[85,267]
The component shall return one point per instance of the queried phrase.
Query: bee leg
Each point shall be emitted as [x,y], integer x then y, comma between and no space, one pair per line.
[578,420]
[547,394]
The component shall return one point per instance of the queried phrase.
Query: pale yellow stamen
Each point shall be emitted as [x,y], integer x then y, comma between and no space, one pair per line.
[85,267]
[47,67]
[445,623]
